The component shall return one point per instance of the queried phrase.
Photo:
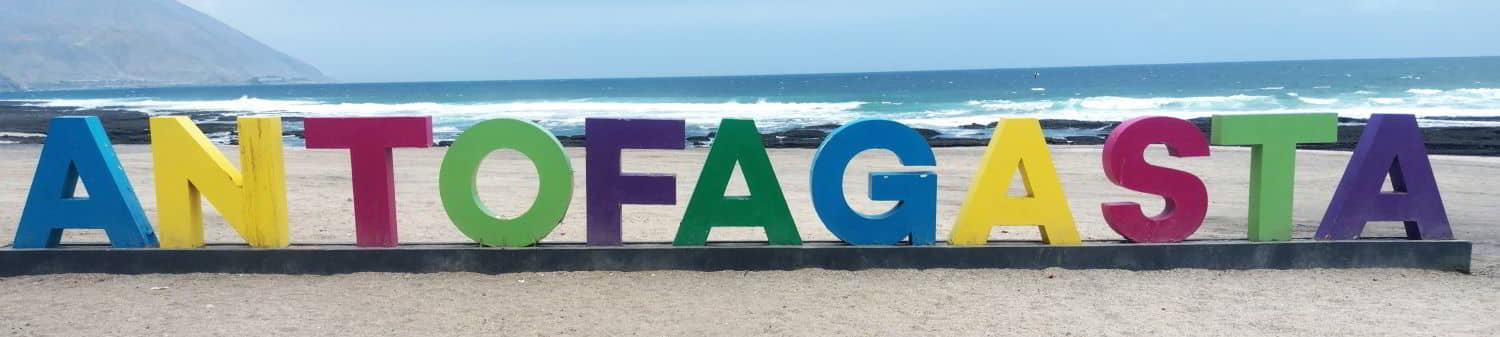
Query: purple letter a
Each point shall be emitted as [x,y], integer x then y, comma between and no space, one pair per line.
[1390,144]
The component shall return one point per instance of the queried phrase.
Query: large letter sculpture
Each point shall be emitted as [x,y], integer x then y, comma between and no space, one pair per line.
[608,189]
[253,201]
[370,140]
[738,142]
[456,182]
[77,148]
[1273,140]
[1125,165]
[915,214]
[1016,145]
[1391,144]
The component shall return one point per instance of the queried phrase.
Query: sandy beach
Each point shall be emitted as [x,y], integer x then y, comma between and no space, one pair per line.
[805,302]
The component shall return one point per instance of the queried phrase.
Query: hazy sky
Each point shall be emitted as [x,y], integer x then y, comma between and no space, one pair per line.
[415,40]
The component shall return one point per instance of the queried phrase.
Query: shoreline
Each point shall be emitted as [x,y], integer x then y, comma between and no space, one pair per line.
[23,124]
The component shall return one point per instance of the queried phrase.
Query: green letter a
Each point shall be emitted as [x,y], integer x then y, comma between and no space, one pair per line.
[737,142]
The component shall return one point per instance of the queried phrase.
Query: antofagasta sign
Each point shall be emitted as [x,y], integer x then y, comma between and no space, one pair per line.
[252,198]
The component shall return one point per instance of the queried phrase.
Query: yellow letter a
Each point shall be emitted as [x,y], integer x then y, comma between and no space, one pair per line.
[254,203]
[1017,143]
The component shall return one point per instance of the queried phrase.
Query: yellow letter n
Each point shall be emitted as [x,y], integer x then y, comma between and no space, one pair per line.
[253,201]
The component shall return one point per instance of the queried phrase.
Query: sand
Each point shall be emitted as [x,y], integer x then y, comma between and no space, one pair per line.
[804,302]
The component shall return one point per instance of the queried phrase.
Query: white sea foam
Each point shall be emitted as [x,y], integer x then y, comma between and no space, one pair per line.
[1272,88]
[1473,102]
[1318,101]
[1004,105]
[770,115]
[1467,98]
[549,113]
[1492,92]
[1129,104]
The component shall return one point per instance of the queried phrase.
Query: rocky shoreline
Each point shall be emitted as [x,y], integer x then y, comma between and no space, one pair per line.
[20,123]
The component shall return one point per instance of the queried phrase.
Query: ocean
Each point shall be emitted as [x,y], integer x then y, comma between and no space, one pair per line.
[1442,91]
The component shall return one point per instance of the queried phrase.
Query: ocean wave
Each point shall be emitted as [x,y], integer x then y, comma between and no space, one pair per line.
[153,106]
[546,112]
[1318,101]
[1424,103]
[1466,97]
[566,116]
[1005,105]
[1124,106]
[1132,104]
[949,119]
[1492,92]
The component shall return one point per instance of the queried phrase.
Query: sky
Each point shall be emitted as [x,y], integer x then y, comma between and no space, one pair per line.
[457,40]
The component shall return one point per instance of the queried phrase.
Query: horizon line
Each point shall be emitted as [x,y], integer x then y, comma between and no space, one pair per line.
[758,75]
[897,71]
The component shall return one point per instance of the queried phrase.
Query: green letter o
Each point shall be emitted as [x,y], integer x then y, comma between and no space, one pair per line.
[456,182]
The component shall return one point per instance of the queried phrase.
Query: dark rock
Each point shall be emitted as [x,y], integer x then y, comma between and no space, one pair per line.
[1204,124]
[572,141]
[928,133]
[955,142]
[123,127]
[770,141]
[801,133]
[1052,124]
[1466,118]
[802,137]
[1472,141]
[801,143]
[1084,140]
[976,126]
[23,139]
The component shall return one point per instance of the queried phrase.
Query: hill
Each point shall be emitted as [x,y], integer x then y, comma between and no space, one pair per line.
[80,44]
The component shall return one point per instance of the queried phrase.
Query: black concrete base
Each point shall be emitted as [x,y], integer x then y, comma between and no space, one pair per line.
[427,258]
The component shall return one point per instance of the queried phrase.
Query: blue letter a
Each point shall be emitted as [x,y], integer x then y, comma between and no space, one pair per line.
[78,148]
